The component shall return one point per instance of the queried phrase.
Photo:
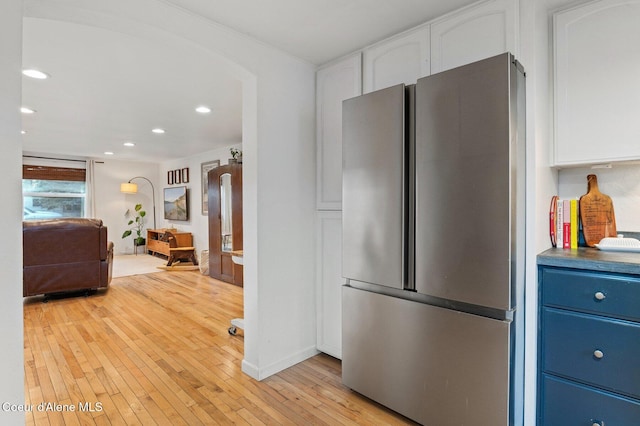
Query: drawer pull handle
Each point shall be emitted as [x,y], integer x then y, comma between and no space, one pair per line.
[598,354]
[600,295]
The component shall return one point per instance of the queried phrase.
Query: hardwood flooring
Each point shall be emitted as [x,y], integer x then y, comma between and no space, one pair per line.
[154,349]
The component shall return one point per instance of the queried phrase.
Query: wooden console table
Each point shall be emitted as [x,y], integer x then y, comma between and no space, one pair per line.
[156,246]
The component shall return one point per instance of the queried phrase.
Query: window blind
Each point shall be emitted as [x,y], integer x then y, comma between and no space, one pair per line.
[53,173]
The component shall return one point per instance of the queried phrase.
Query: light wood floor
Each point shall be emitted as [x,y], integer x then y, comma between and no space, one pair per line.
[154,349]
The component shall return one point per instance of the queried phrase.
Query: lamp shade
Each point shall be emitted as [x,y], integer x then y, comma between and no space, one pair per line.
[129,188]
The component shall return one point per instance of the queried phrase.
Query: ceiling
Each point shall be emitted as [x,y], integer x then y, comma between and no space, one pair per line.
[320,30]
[97,99]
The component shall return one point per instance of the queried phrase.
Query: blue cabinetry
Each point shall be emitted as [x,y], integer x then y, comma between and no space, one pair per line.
[589,347]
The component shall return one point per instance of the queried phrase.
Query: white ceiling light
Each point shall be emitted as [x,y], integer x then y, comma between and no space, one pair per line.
[108,153]
[129,144]
[158,131]
[33,73]
[24,132]
[26,110]
[203,109]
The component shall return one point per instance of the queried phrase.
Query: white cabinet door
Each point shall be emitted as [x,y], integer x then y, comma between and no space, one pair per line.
[401,59]
[334,83]
[597,83]
[329,282]
[474,33]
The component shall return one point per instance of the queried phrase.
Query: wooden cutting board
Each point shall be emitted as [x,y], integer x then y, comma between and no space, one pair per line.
[596,214]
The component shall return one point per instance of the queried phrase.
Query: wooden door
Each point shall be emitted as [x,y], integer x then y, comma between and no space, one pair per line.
[225,222]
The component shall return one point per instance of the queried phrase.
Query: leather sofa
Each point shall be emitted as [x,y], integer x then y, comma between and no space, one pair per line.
[65,255]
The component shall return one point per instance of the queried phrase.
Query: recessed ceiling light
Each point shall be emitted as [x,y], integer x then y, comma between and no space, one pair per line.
[129,144]
[203,109]
[24,132]
[108,153]
[158,131]
[26,110]
[35,74]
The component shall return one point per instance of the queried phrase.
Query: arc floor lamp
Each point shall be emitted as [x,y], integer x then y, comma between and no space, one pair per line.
[132,188]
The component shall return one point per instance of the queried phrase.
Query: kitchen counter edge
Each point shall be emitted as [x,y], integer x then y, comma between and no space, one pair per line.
[591,259]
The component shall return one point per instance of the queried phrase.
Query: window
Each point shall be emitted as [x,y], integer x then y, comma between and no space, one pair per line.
[50,192]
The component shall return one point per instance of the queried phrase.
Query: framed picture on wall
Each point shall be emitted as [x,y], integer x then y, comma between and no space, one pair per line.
[205,167]
[176,205]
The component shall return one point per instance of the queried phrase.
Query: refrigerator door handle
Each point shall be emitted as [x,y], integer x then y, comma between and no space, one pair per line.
[409,227]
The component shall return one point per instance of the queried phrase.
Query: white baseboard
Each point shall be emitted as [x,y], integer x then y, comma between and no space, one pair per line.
[262,373]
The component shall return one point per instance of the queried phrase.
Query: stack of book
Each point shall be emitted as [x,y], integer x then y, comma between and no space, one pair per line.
[564,223]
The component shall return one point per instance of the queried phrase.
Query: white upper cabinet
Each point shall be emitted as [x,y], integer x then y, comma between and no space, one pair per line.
[334,83]
[597,83]
[401,59]
[478,32]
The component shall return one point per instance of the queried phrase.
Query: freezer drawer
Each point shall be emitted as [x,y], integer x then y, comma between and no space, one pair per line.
[433,365]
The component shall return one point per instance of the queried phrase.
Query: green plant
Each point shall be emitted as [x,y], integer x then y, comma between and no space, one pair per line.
[136,224]
[236,153]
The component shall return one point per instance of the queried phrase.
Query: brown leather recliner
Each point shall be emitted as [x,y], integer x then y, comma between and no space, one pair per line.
[64,255]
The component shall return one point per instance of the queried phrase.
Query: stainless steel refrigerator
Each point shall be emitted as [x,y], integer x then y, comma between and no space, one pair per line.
[433,245]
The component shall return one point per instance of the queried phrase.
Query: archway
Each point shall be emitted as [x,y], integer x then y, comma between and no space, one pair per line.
[278,98]
[126,25]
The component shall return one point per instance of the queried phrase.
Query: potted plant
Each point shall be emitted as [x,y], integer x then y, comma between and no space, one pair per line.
[136,224]
[236,155]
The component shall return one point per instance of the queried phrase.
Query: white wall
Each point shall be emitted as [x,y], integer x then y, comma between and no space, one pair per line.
[198,223]
[541,179]
[11,328]
[278,167]
[621,183]
[527,28]
[111,204]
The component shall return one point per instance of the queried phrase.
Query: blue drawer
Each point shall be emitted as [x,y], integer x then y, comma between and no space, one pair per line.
[570,404]
[570,343]
[599,293]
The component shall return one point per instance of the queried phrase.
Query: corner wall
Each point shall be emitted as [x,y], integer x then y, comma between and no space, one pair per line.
[11,328]
[111,204]
[542,182]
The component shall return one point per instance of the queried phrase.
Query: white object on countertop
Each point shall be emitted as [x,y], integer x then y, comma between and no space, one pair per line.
[619,244]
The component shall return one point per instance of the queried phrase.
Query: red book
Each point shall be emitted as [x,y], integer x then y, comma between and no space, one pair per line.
[552,219]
